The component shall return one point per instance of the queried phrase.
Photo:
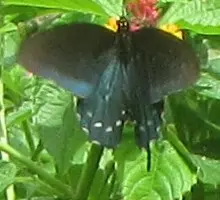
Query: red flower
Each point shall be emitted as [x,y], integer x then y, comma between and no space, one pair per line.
[144,13]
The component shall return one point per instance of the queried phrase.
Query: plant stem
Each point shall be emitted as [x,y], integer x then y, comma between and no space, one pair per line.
[112,183]
[53,182]
[88,173]
[28,136]
[198,191]
[109,171]
[37,151]
[180,148]
[10,194]
[43,187]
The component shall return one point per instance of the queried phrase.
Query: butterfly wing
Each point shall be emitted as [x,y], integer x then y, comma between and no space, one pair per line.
[148,121]
[103,112]
[84,59]
[74,56]
[163,63]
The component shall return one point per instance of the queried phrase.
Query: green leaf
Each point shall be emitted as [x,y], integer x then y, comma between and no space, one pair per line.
[101,188]
[195,13]
[209,170]
[73,176]
[197,122]
[86,6]
[7,174]
[57,123]
[8,28]
[170,134]
[35,187]
[192,117]
[81,154]
[18,85]
[203,17]
[169,177]
[18,116]
[173,13]
[198,28]
[72,17]
[12,80]
[97,185]
[11,40]
[112,7]
[17,140]
[209,86]
[208,147]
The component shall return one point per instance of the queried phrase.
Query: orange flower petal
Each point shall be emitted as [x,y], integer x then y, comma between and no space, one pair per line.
[173,29]
[112,24]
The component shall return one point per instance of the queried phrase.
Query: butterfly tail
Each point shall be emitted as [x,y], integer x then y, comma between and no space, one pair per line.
[148,121]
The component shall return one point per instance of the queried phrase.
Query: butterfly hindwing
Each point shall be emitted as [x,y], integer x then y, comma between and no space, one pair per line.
[102,113]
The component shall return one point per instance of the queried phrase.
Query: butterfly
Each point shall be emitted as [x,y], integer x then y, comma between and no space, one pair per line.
[116,75]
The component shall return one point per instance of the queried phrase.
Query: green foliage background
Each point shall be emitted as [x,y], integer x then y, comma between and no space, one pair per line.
[50,157]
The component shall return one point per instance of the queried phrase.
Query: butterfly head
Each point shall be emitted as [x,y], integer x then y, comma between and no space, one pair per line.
[123,25]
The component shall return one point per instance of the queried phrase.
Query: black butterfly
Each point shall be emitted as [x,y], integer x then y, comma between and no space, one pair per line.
[116,74]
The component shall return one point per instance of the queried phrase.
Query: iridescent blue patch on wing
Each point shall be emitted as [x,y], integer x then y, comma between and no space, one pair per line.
[77,87]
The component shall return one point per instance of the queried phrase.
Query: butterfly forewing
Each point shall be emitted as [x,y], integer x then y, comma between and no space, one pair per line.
[163,63]
[75,56]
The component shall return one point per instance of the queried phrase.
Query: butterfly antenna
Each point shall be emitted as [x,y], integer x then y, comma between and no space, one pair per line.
[124,12]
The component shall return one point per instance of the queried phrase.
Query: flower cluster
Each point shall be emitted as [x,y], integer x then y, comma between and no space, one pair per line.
[145,13]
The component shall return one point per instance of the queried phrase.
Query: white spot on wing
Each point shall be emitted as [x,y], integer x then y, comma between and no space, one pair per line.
[89,114]
[142,128]
[109,129]
[149,122]
[78,116]
[118,123]
[154,112]
[98,124]
[158,129]
[107,97]
[123,112]
[96,142]
[85,129]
